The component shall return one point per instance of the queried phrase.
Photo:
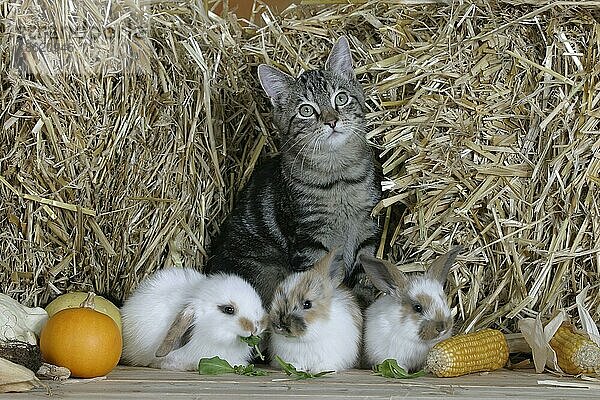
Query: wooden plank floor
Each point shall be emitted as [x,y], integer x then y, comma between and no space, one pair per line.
[145,383]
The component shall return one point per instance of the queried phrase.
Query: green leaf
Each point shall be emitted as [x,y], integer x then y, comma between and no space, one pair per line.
[289,369]
[390,369]
[308,375]
[218,366]
[253,341]
[249,370]
[214,366]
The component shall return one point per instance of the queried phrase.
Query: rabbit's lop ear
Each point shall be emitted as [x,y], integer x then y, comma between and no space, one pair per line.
[179,333]
[384,275]
[332,265]
[441,266]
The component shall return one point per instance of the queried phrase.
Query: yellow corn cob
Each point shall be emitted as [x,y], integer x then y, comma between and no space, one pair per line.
[575,353]
[485,350]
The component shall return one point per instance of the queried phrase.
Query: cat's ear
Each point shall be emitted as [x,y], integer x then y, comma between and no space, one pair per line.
[340,59]
[273,81]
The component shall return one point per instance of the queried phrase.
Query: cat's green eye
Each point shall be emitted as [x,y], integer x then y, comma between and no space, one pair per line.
[341,99]
[306,110]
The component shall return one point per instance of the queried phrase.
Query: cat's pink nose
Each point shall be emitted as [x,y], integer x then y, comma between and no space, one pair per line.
[331,123]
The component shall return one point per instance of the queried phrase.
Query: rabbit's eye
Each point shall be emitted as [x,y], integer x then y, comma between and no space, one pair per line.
[418,308]
[227,309]
[307,304]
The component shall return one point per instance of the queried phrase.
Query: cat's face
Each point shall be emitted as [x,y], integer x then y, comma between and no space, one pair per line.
[321,110]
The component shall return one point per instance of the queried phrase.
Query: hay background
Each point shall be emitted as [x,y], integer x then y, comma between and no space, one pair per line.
[122,148]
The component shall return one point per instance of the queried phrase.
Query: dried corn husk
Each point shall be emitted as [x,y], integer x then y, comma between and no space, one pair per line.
[538,336]
[545,344]
[588,325]
[16,378]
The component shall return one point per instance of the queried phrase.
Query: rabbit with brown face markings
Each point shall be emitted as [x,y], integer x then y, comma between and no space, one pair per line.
[412,315]
[316,324]
[178,316]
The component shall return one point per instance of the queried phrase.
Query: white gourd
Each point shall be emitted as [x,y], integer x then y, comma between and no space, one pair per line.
[18,322]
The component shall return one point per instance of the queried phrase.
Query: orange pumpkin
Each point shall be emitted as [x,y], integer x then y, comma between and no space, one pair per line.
[74,300]
[86,341]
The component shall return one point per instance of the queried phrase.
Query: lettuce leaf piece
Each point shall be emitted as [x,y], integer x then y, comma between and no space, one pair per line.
[390,369]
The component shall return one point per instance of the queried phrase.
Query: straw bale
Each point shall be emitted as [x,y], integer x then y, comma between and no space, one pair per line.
[126,137]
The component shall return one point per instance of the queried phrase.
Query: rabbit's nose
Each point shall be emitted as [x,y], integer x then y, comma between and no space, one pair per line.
[440,326]
[282,326]
[277,328]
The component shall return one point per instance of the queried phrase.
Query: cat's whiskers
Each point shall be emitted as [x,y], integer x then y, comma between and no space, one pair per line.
[298,201]
[315,150]
[298,141]
[303,157]
[317,146]
[358,132]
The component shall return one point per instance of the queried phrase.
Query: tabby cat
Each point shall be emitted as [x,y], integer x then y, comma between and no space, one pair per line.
[317,194]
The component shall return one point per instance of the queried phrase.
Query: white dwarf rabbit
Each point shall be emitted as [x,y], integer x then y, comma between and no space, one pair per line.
[411,317]
[178,316]
[316,324]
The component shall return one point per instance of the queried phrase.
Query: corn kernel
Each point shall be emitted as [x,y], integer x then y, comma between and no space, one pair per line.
[485,350]
[575,353]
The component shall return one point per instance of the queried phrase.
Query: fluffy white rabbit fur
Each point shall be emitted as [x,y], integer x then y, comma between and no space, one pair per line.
[391,334]
[412,315]
[326,336]
[179,313]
